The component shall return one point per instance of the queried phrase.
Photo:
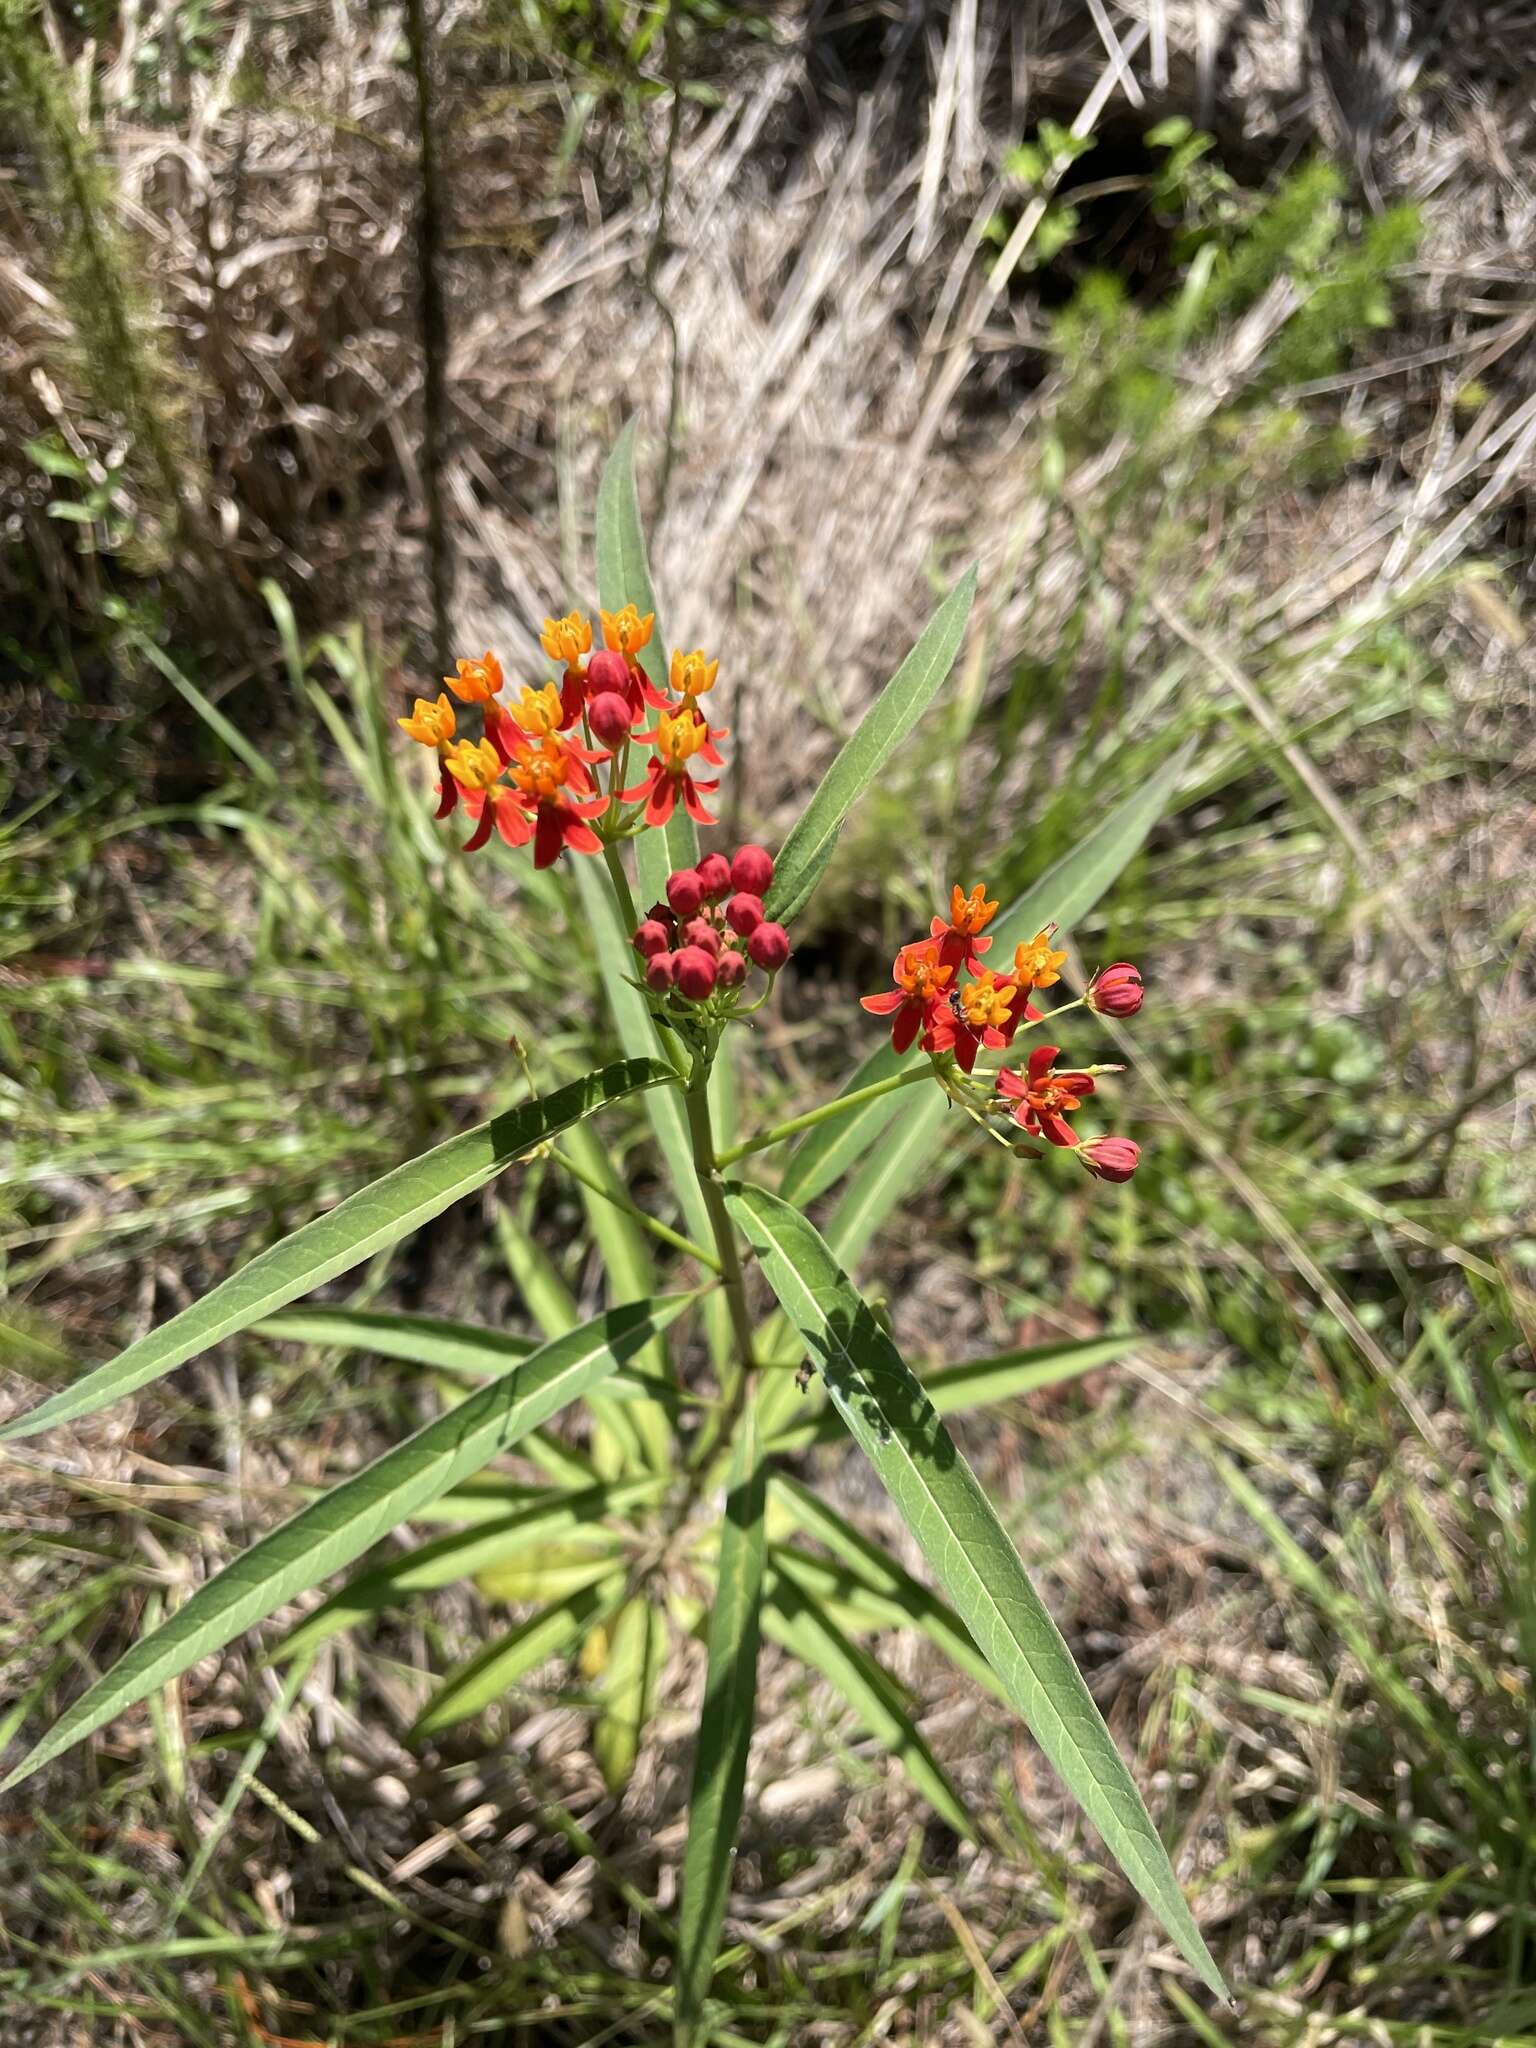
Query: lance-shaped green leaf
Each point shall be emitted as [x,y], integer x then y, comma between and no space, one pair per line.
[463,1553]
[491,1672]
[328,1534]
[880,732]
[624,577]
[806,1629]
[637,1646]
[725,1731]
[972,1556]
[980,1382]
[376,1216]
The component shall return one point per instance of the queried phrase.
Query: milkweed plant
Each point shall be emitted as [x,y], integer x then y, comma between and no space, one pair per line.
[606,769]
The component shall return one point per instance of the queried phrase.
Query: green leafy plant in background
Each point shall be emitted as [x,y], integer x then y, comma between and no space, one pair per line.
[678,1507]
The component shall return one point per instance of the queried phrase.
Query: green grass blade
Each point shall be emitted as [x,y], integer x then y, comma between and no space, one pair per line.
[953,1522]
[879,733]
[328,1534]
[725,1731]
[636,1647]
[624,577]
[495,1669]
[460,1555]
[376,1216]
[807,1630]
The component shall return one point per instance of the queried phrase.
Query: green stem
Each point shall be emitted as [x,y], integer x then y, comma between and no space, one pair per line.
[737,1387]
[653,1224]
[838,1106]
[620,881]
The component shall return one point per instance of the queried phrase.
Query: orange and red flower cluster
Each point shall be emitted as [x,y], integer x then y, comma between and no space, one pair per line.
[713,924]
[958,1020]
[530,777]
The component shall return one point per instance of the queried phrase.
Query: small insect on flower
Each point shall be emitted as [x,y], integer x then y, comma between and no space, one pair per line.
[1110,1158]
[1115,991]
[959,942]
[677,739]
[920,999]
[477,682]
[1043,1099]
[1036,963]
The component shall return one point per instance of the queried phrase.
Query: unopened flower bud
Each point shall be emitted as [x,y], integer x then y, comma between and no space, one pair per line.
[752,870]
[685,892]
[769,947]
[715,874]
[651,938]
[1115,991]
[744,913]
[660,972]
[730,969]
[609,716]
[700,932]
[1110,1158]
[695,972]
[606,672]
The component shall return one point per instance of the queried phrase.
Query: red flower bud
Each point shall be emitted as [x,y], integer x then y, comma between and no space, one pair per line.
[660,972]
[700,932]
[730,970]
[1110,1158]
[744,913]
[610,716]
[651,938]
[608,671]
[769,947]
[715,874]
[685,892]
[752,871]
[695,973]
[1115,991]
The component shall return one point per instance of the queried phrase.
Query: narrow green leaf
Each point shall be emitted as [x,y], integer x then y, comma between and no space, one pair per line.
[953,1522]
[636,1646]
[493,1671]
[979,1382]
[376,1216]
[725,1732]
[442,1344]
[624,577]
[880,732]
[461,1555]
[631,1275]
[342,1524]
[810,1633]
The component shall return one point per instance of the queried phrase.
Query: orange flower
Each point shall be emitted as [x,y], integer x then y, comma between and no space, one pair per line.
[474,765]
[920,999]
[625,632]
[477,682]
[968,916]
[692,674]
[1036,964]
[432,725]
[678,737]
[538,712]
[567,639]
